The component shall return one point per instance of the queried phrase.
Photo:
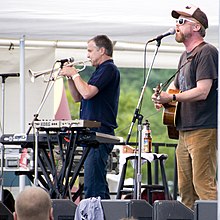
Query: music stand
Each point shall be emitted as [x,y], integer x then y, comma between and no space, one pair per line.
[4,77]
[137,115]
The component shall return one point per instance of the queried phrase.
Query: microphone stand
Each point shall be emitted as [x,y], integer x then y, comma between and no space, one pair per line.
[2,150]
[137,115]
[36,131]
[44,99]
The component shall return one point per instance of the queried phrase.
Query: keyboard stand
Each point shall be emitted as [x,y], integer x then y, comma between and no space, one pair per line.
[42,168]
[57,182]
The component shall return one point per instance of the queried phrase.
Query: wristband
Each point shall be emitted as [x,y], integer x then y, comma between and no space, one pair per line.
[74,76]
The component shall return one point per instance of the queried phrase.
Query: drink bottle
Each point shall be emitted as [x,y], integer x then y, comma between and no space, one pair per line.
[147,138]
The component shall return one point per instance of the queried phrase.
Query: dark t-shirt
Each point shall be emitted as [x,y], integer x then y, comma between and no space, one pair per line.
[203,113]
[103,107]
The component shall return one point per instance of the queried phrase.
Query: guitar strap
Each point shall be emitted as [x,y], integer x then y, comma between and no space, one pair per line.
[189,59]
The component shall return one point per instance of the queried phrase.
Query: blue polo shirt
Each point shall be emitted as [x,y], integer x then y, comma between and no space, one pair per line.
[103,107]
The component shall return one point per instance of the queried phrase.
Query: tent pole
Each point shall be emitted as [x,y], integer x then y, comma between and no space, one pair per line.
[22,99]
[218,205]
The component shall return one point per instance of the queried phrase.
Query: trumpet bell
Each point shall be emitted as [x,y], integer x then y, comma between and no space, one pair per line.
[33,75]
[52,72]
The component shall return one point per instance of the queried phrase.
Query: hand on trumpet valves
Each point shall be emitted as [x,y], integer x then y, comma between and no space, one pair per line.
[68,71]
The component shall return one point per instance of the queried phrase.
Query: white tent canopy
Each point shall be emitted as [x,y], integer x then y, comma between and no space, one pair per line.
[123,20]
[130,24]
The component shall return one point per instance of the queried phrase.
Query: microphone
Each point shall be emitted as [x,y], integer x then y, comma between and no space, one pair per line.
[69,60]
[10,74]
[171,31]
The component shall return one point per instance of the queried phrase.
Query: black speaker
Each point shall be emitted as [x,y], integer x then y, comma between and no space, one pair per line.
[5,214]
[63,209]
[117,209]
[171,210]
[205,209]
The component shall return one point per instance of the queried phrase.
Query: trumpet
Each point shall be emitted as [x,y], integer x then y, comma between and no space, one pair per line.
[35,74]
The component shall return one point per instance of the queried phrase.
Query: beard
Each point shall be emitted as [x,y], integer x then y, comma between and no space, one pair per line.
[181,37]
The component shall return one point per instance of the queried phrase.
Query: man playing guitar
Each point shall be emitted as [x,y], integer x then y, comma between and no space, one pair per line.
[196,118]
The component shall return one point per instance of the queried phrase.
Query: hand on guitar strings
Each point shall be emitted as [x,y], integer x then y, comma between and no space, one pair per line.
[160,98]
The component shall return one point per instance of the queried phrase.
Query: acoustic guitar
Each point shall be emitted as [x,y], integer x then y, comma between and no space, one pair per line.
[169,113]
[169,116]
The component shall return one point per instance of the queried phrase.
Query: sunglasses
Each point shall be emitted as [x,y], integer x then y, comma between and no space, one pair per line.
[181,21]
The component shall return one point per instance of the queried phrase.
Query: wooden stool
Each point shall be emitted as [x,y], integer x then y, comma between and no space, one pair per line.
[148,157]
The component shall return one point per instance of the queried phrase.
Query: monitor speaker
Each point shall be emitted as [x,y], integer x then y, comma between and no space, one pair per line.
[171,210]
[205,209]
[5,214]
[118,209]
[63,209]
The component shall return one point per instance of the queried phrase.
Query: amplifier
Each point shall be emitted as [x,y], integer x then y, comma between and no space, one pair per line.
[17,158]
[113,162]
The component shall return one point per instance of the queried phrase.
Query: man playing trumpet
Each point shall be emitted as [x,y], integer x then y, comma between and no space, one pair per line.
[99,99]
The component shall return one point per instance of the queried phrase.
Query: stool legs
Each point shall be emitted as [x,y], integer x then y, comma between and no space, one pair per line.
[121,182]
[163,175]
[164,180]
